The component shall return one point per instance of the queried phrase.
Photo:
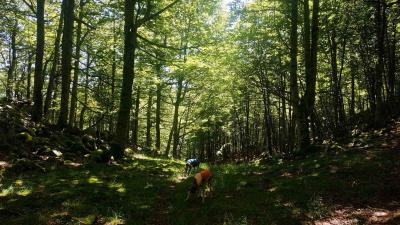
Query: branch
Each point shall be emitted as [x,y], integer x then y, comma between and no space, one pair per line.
[154,56]
[152,16]
[158,44]
[85,23]
[30,6]
[392,3]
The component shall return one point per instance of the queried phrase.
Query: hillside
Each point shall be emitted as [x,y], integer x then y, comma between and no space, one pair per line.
[349,183]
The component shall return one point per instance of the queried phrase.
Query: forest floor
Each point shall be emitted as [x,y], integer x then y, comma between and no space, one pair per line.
[356,182]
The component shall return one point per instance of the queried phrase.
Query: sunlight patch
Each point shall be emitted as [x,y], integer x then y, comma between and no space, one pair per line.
[119,187]
[24,192]
[7,191]
[94,180]
[19,182]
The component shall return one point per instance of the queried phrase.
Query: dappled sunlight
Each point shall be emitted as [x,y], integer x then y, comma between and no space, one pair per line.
[94,180]
[352,216]
[119,187]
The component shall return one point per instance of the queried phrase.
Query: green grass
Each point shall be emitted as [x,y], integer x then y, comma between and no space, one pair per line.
[136,191]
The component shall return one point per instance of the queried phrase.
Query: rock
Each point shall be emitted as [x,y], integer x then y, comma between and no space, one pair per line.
[117,151]
[23,165]
[100,156]
[25,137]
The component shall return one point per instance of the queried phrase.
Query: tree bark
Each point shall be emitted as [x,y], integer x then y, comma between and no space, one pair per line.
[66,60]
[13,63]
[294,90]
[379,23]
[38,85]
[28,78]
[78,42]
[84,108]
[135,120]
[175,130]
[130,39]
[54,66]
[148,119]
[158,109]
[308,101]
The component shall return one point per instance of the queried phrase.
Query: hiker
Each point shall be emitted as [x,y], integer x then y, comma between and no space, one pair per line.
[191,164]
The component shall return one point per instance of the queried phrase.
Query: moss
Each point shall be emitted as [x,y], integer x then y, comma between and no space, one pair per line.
[25,137]
[117,151]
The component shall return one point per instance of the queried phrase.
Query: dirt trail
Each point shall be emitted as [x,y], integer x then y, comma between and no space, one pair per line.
[163,206]
[161,211]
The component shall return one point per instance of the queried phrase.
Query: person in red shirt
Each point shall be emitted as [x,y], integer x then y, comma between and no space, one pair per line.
[201,180]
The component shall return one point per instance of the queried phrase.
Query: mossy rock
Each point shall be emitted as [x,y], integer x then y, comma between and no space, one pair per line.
[25,137]
[78,148]
[69,156]
[89,142]
[24,165]
[117,151]
[100,156]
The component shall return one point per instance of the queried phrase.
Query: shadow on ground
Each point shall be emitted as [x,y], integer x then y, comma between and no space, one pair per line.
[90,194]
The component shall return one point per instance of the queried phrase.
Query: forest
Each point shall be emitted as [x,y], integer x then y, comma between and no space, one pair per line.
[292,105]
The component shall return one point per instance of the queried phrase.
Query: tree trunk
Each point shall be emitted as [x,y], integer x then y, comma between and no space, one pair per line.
[74,93]
[379,23]
[38,85]
[28,78]
[66,60]
[175,130]
[13,63]
[130,31]
[294,90]
[392,63]
[113,74]
[158,110]
[310,56]
[148,120]
[84,107]
[54,66]
[353,94]
[135,121]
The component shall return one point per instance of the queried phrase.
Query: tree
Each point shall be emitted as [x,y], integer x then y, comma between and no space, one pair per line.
[38,85]
[66,58]
[132,24]
[294,98]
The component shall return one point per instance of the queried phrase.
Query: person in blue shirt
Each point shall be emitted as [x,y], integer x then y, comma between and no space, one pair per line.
[191,164]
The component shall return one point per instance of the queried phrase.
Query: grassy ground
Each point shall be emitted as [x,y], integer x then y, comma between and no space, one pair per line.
[354,184]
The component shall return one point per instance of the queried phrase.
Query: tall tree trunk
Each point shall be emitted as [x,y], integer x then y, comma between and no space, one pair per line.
[379,23]
[303,109]
[66,60]
[353,94]
[84,107]
[130,31]
[38,78]
[28,78]
[74,93]
[175,128]
[54,66]
[308,101]
[294,90]
[113,74]
[13,63]
[148,119]
[392,63]
[158,109]
[335,82]
[135,120]
[267,124]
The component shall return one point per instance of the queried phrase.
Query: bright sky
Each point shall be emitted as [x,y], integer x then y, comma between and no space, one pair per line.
[225,3]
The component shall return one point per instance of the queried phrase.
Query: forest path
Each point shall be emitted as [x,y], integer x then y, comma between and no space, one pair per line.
[161,214]
[162,208]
